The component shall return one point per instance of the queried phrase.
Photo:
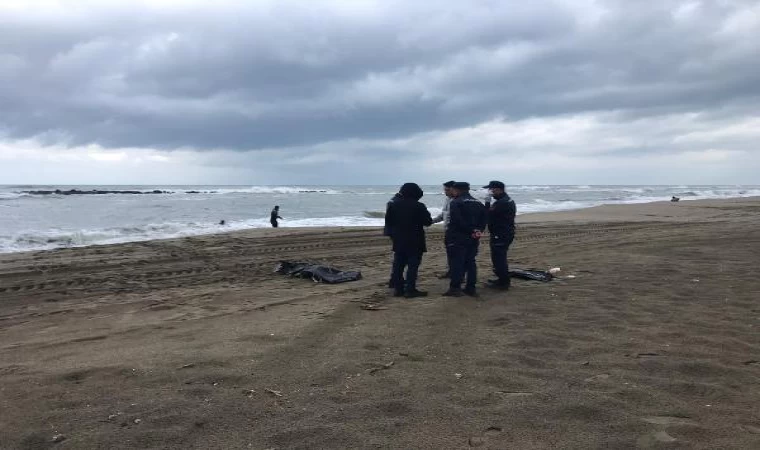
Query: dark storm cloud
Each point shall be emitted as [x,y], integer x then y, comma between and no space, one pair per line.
[283,74]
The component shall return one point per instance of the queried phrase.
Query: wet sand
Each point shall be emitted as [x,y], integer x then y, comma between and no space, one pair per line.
[651,340]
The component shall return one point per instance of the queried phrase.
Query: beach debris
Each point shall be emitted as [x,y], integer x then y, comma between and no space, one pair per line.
[187,366]
[531,274]
[113,416]
[601,376]
[382,367]
[249,392]
[514,393]
[585,363]
[373,307]
[273,392]
[669,420]
[695,280]
[458,376]
[750,429]
[494,430]
[663,436]
[138,421]
[476,442]
[59,438]
[642,355]
[570,277]
[316,272]
[555,271]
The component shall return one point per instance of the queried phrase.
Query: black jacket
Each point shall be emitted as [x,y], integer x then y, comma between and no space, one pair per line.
[501,217]
[466,215]
[405,220]
[274,216]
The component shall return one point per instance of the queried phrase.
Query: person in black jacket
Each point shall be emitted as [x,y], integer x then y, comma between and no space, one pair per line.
[406,219]
[387,232]
[501,225]
[467,220]
[274,216]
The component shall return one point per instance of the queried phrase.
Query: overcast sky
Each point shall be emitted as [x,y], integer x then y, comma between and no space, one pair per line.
[379,92]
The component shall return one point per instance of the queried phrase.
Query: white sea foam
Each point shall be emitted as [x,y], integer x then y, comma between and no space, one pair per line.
[61,221]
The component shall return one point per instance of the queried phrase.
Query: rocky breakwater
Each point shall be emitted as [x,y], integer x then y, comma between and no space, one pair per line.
[92,192]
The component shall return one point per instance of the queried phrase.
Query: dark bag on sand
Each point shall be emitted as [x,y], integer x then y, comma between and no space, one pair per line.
[318,273]
[536,275]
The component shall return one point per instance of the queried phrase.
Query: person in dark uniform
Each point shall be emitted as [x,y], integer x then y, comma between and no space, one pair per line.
[274,216]
[467,220]
[387,232]
[501,225]
[406,219]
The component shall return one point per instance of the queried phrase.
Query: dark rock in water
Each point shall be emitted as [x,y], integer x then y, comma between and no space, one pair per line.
[93,192]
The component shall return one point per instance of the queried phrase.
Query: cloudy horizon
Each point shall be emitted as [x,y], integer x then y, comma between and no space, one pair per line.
[371,92]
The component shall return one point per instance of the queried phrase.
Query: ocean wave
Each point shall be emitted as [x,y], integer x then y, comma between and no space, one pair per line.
[374,214]
[56,238]
[276,190]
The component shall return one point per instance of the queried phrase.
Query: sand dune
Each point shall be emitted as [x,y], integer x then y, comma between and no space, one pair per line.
[194,343]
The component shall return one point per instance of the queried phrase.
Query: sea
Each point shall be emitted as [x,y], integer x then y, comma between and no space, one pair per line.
[49,217]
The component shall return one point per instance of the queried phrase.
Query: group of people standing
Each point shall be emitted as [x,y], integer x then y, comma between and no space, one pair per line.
[465,219]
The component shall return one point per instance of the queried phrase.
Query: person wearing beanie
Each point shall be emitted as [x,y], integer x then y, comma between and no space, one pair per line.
[466,224]
[406,219]
[501,226]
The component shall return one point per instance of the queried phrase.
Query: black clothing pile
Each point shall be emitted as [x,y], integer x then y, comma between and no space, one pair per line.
[535,275]
[318,273]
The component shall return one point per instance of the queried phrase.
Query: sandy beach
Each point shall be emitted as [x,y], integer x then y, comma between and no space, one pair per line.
[650,339]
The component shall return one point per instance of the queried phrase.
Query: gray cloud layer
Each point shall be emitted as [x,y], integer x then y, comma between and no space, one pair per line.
[282,74]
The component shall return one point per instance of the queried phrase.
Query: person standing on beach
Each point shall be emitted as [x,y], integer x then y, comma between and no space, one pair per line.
[467,220]
[406,219]
[501,226]
[274,216]
[387,232]
[444,216]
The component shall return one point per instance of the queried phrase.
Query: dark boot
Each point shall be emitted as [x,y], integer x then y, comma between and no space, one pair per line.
[414,293]
[498,285]
[453,292]
[398,293]
[470,292]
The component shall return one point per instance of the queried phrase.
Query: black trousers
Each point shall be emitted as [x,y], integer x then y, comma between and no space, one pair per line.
[411,262]
[274,224]
[461,256]
[499,248]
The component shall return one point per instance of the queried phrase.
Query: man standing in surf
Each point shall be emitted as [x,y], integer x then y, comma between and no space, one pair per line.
[274,216]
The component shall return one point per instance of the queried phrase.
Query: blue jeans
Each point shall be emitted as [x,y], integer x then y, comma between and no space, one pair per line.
[462,262]
[411,261]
